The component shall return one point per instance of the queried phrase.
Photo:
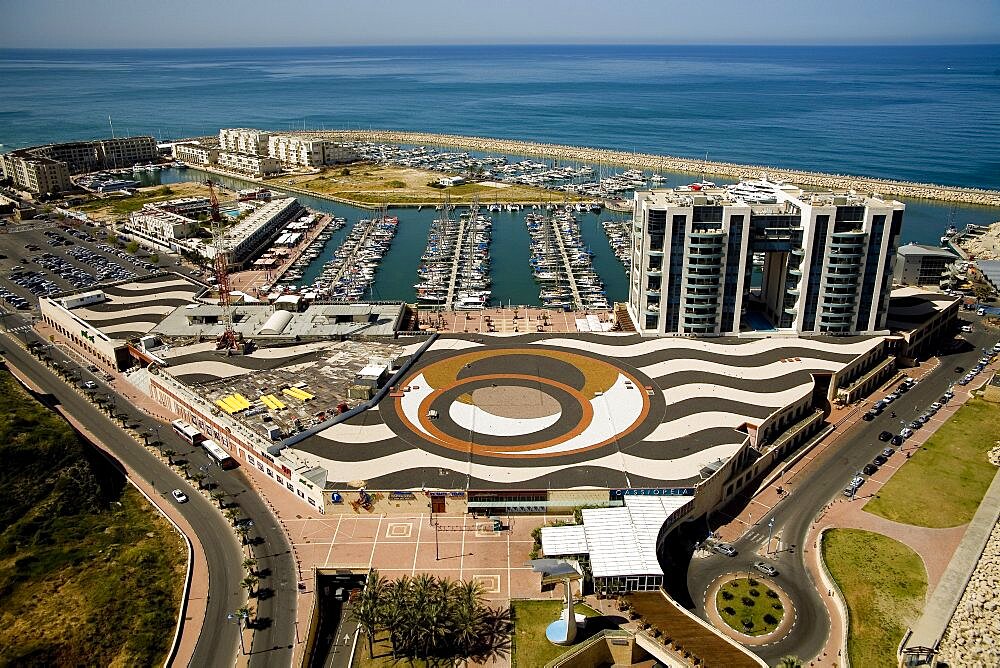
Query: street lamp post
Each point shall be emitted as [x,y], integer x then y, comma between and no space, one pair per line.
[238,618]
[770,530]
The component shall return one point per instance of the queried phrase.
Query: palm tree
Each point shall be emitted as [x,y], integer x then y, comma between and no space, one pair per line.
[789,662]
[243,534]
[249,582]
[170,454]
[249,564]
[186,470]
[198,478]
[232,515]
[369,609]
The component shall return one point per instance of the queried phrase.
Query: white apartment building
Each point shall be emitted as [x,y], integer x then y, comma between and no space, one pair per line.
[196,153]
[159,224]
[761,256]
[244,140]
[251,165]
[294,150]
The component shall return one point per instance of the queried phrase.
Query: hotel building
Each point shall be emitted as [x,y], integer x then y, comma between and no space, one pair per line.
[713,261]
[46,169]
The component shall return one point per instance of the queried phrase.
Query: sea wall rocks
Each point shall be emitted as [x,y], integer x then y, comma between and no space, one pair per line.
[884,187]
[973,635]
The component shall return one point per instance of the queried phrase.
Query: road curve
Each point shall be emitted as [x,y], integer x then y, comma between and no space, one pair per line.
[218,643]
[795,513]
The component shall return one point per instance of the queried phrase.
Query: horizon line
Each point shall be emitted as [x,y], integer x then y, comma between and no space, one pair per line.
[504,44]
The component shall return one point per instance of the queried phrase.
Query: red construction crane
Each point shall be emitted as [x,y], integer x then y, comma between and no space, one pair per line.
[227,340]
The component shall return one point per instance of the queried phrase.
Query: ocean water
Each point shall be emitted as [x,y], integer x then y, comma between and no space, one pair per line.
[915,113]
[929,114]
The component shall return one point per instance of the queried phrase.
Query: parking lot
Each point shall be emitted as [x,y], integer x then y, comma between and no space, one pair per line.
[48,260]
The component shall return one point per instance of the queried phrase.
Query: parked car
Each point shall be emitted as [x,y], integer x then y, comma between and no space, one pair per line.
[725,548]
[89,385]
[879,460]
[179,496]
[966,328]
[916,424]
[936,405]
[885,436]
[896,440]
[868,417]
[870,469]
[906,432]
[888,452]
[765,568]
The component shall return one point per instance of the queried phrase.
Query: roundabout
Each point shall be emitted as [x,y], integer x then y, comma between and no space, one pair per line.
[752,611]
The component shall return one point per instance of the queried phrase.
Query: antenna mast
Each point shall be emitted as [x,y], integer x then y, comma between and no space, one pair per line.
[227,340]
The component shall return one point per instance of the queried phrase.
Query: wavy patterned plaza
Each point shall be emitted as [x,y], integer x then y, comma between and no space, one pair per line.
[537,412]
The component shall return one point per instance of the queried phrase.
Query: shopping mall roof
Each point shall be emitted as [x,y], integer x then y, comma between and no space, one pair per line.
[620,541]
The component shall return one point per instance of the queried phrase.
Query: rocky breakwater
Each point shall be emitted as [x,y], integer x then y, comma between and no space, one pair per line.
[883,187]
[973,635]
[982,245]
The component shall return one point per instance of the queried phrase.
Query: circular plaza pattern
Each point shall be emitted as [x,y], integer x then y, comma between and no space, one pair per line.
[522,402]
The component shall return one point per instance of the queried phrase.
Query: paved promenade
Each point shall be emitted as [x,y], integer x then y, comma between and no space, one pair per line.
[942,603]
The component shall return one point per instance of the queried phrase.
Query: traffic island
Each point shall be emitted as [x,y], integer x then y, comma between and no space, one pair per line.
[749,610]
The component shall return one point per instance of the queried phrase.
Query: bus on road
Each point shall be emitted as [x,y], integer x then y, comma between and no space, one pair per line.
[218,455]
[187,432]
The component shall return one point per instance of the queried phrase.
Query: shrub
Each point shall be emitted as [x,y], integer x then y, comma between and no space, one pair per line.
[727,595]
[755,593]
[748,602]
[772,594]
[395,184]
[753,582]
[747,623]
[345,172]
[777,606]
[729,611]
[154,258]
[770,619]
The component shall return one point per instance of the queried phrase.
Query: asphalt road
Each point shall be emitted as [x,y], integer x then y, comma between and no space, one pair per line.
[794,514]
[218,643]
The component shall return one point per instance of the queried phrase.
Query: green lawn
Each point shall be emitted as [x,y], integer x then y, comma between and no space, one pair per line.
[750,600]
[942,484]
[531,648]
[884,583]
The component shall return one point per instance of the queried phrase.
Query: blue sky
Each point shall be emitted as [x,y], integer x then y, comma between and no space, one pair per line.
[245,23]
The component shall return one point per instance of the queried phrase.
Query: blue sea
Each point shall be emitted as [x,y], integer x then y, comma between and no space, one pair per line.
[929,114]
